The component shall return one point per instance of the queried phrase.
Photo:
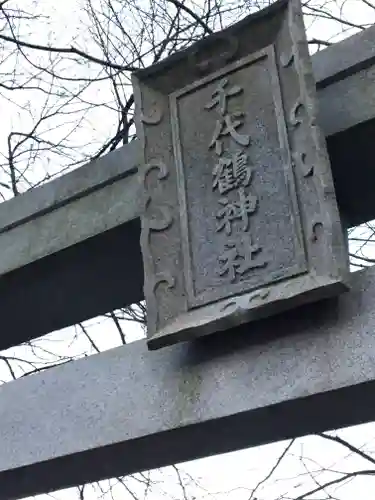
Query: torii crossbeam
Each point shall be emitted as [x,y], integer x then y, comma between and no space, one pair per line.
[55,238]
[130,409]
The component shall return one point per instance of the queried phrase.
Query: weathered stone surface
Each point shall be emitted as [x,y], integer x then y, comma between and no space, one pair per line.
[240,213]
[345,81]
[66,255]
[82,204]
[128,409]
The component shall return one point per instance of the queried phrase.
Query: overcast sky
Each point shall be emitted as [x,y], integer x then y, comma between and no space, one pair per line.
[231,475]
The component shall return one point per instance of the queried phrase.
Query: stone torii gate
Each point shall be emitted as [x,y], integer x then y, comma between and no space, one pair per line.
[70,250]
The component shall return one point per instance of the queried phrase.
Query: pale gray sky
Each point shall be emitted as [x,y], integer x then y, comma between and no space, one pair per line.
[227,476]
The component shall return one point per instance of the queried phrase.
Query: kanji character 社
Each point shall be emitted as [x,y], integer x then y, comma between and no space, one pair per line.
[238,258]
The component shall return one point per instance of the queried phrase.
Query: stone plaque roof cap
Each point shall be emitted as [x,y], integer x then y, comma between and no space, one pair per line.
[207,41]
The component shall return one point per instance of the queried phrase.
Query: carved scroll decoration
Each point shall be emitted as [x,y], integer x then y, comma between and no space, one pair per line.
[162,223]
[155,224]
[306,168]
[286,59]
[294,119]
[164,277]
[316,230]
[222,59]
[299,157]
[228,305]
[155,118]
[154,109]
[260,294]
[237,306]
[166,219]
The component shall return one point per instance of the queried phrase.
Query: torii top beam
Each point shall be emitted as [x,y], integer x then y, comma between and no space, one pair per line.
[129,409]
[83,229]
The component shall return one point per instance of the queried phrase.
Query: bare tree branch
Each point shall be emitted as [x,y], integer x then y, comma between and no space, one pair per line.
[343,442]
[195,16]
[67,50]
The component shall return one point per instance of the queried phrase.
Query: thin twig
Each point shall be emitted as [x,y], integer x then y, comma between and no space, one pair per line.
[67,50]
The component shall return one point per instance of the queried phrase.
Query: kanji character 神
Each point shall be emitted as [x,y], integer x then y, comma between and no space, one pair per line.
[238,258]
[234,210]
[231,173]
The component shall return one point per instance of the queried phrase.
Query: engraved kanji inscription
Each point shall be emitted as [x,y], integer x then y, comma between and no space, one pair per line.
[228,123]
[239,257]
[220,96]
[232,172]
[240,209]
[245,222]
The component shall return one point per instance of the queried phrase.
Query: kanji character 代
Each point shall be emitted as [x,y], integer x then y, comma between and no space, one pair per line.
[228,125]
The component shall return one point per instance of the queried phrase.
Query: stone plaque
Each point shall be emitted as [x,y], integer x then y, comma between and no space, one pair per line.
[240,218]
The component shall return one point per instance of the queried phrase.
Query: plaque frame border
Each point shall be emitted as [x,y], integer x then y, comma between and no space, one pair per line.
[300,266]
[169,318]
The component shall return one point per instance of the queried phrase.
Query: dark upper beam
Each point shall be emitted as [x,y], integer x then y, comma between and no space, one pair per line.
[129,409]
[65,253]
[345,76]
[69,250]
